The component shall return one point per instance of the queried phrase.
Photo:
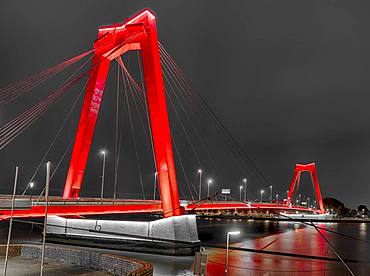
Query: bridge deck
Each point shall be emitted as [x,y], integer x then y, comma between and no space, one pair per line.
[94,206]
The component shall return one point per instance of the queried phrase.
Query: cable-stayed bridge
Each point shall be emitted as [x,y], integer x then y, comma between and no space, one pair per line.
[157,88]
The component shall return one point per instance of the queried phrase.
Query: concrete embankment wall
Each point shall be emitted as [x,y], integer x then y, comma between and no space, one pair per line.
[114,264]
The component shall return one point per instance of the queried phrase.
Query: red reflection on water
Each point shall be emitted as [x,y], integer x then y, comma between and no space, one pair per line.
[306,241]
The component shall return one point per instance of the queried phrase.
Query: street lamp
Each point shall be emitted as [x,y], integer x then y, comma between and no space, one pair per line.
[31,186]
[155,184]
[200,183]
[208,182]
[245,189]
[240,192]
[262,191]
[276,197]
[270,193]
[227,248]
[102,176]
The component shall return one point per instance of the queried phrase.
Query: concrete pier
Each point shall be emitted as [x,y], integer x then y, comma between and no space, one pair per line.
[176,235]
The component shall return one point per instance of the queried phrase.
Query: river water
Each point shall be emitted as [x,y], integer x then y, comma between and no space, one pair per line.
[308,247]
[295,238]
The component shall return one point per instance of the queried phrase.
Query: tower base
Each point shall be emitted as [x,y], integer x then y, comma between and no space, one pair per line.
[176,235]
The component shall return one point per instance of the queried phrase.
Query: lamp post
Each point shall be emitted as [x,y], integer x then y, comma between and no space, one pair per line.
[245,189]
[31,186]
[270,193]
[262,191]
[227,248]
[276,197]
[102,176]
[208,182]
[240,192]
[200,184]
[155,184]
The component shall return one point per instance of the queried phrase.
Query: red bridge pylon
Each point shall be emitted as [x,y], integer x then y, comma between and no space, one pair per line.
[137,33]
[311,169]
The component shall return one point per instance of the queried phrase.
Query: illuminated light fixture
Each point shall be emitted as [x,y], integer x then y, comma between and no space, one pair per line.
[227,247]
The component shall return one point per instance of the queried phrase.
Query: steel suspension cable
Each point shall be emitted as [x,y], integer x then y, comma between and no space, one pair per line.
[146,108]
[39,107]
[168,78]
[238,149]
[141,92]
[183,128]
[134,95]
[183,169]
[126,83]
[11,92]
[55,138]
[26,114]
[12,97]
[61,127]
[116,135]
[8,134]
[142,97]
[176,82]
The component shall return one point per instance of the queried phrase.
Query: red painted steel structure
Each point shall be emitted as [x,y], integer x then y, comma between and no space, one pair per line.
[82,208]
[311,169]
[240,206]
[137,33]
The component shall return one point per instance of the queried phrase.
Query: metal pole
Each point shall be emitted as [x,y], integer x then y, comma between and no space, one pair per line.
[245,189]
[240,193]
[208,189]
[227,253]
[102,178]
[270,193]
[31,195]
[45,217]
[200,184]
[11,221]
[155,184]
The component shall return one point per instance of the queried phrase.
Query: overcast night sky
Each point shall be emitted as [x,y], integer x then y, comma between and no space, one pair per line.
[289,79]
